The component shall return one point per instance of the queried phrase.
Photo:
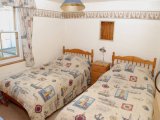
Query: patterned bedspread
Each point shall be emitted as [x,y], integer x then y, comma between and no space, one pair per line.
[43,90]
[126,92]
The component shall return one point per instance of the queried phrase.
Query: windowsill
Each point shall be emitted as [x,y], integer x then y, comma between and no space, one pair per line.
[9,57]
[9,63]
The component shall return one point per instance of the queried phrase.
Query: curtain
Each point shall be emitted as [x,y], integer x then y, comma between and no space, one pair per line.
[25,16]
[24,10]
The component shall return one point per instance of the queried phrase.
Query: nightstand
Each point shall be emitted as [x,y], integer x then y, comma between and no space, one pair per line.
[98,68]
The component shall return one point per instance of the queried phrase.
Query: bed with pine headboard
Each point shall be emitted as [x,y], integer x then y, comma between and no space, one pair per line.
[122,92]
[35,75]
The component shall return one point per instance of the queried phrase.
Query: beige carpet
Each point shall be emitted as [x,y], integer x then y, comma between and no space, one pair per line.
[12,112]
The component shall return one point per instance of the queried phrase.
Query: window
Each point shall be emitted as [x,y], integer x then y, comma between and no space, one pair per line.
[107,30]
[9,44]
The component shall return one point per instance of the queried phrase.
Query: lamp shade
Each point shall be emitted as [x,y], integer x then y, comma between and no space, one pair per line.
[72,6]
[103,50]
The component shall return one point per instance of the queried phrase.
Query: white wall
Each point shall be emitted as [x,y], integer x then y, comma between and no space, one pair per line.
[47,34]
[126,5]
[47,39]
[47,5]
[131,37]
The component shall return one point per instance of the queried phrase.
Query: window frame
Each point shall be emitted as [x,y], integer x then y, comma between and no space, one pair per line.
[19,57]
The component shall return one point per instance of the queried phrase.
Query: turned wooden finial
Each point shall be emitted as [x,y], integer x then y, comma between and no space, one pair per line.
[92,54]
[113,56]
[63,49]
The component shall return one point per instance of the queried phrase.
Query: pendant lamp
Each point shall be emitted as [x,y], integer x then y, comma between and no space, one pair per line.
[72,6]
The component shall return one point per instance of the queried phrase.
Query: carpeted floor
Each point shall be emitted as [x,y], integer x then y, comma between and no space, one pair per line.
[12,112]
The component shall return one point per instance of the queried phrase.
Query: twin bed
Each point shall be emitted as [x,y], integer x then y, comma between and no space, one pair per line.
[43,90]
[126,92]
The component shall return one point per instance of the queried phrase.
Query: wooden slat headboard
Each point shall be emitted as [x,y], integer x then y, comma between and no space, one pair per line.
[135,60]
[86,54]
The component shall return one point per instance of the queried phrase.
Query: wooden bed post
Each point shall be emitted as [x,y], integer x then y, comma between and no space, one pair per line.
[113,56]
[92,54]
[154,65]
[63,50]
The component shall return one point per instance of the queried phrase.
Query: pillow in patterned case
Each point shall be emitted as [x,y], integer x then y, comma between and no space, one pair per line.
[117,68]
[68,57]
[146,71]
[75,60]
[130,68]
[59,61]
[63,60]
[133,68]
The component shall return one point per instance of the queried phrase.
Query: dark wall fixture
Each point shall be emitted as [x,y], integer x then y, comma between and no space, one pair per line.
[156,79]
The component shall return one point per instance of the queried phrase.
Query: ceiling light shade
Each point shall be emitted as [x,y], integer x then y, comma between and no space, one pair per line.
[72,6]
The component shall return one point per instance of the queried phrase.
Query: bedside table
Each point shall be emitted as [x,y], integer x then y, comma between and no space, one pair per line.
[156,107]
[97,69]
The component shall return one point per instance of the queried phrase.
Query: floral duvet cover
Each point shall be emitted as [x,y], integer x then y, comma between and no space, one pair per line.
[43,90]
[126,92]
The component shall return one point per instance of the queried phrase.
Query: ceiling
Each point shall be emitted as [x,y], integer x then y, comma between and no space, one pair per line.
[60,1]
